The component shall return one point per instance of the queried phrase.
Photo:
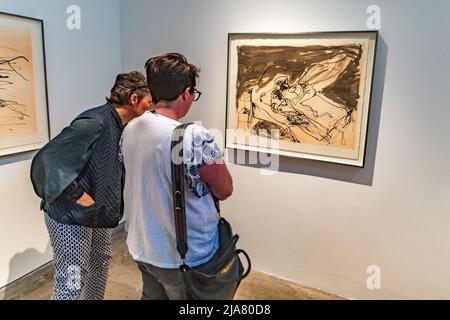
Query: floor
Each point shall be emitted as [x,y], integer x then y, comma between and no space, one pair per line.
[125,283]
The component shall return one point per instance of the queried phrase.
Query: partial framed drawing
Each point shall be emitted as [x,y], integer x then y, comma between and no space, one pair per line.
[301,95]
[24,123]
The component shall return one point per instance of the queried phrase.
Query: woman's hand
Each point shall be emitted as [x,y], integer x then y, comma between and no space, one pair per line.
[85,200]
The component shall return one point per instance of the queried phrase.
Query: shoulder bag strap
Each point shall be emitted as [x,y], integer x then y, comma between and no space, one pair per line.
[178,191]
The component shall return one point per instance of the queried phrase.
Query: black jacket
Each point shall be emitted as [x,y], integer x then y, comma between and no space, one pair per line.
[84,157]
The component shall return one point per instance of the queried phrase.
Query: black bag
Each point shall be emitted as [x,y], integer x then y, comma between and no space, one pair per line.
[219,278]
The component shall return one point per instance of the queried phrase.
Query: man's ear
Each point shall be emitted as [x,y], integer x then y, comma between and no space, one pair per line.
[134,100]
[186,93]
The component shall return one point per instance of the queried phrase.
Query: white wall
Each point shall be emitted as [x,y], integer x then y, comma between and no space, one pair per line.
[319,224]
[81,69]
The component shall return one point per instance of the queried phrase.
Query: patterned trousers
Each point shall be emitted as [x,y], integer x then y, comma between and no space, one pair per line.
[81,257]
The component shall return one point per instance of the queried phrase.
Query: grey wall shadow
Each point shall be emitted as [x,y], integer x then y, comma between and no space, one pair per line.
[18,288]
[328,170]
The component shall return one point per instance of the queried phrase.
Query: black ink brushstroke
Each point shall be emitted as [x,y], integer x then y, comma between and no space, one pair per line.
[10,68]
[258,65]
[305,67]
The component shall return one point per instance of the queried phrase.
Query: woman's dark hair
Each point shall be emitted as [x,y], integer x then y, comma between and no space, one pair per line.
[169,75]
[126,84]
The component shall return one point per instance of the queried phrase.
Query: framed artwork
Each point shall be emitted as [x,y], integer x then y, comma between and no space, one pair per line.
[24,123]
[301,95]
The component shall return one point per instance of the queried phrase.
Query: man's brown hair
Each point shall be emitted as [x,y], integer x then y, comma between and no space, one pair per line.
[169,75]
[126,84]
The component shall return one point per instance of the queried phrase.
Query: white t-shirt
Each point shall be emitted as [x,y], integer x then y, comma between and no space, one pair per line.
[146,148]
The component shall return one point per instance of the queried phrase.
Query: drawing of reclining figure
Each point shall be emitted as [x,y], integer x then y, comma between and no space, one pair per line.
[303,104]
[284,96]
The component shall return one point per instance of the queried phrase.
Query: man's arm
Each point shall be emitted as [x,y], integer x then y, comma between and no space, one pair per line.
[56,167]
[218,179]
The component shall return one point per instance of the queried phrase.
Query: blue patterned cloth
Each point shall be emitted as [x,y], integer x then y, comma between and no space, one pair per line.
[200,149]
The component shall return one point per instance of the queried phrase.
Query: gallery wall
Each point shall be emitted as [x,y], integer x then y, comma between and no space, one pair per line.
[319,224]
[80,73]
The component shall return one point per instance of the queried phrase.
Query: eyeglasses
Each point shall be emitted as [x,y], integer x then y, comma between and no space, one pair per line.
[197,94]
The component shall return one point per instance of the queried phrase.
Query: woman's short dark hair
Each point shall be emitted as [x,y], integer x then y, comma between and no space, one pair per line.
[169,75]
[126,84]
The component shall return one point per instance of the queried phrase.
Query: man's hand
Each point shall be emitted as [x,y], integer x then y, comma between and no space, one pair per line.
[85,200]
